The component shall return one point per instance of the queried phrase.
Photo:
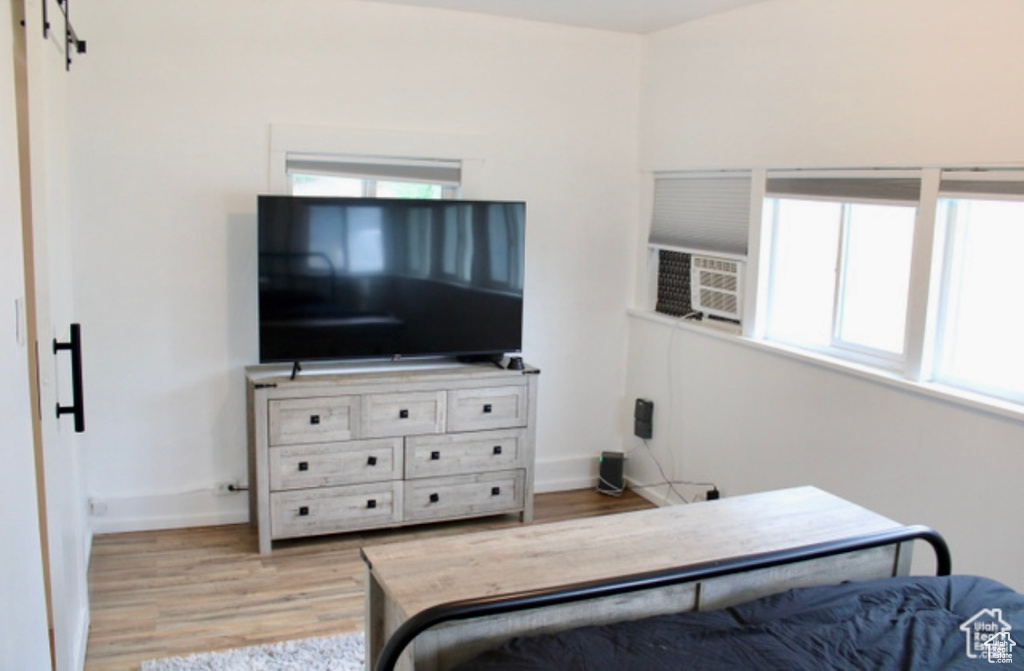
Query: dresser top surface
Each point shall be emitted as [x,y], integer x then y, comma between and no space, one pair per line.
[315,375]
[419,574]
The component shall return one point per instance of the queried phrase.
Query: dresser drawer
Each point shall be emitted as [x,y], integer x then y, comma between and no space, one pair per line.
[403,414]
[335,464]
[308,512]
[475,452]
[463,496]
[487,408]
[293,421]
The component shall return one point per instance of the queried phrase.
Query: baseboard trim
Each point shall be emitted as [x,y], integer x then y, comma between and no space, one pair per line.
[650,493]
[124,525]
[120,514]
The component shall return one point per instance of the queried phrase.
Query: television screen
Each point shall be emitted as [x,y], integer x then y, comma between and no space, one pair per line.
[385,278]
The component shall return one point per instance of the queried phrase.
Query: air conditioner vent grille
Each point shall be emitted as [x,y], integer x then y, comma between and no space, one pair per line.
[721,265]
[718,281]
[715,286]
[717,302]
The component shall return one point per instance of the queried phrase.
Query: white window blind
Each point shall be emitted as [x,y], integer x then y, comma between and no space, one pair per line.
[896,188]
[702,213]
[982,183]
[448,173]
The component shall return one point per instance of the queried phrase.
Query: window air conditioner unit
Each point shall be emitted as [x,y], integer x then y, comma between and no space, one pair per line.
[715,286]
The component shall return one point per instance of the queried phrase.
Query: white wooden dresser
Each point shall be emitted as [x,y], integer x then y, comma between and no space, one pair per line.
[383,446]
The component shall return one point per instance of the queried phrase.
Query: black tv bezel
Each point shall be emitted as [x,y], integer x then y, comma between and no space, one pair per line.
[461,354]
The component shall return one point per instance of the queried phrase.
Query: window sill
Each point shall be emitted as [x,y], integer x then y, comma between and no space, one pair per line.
[721,331]
[709,326]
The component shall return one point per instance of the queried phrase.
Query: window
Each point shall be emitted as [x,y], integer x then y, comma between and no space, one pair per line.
[304,184]
[980,322]
[874,278]
[372,178]
[841,253]
[309,184]
[840,275]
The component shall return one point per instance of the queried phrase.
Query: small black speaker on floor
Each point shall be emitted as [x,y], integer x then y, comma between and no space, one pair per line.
[610,473]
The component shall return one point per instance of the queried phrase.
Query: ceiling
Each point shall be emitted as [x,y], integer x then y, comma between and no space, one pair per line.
[630,16]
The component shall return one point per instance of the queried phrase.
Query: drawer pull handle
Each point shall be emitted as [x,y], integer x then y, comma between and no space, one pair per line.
[497,449]
[372,503]
[314,419]
[434,498]
[435,456]
[495,491]
[371,461]
[487,408]
[303,465]
[403,414]
[303,511]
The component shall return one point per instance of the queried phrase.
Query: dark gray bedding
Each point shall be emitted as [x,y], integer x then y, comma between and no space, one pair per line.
[897,623]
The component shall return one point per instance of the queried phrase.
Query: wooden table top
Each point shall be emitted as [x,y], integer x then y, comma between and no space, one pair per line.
[419,574]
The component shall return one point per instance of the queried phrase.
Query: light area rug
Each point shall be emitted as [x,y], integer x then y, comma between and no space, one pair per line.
[330,653]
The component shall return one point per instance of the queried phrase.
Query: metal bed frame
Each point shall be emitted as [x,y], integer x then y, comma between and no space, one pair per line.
[508,603]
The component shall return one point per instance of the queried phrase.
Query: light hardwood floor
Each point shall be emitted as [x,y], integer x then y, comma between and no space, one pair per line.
[175,592]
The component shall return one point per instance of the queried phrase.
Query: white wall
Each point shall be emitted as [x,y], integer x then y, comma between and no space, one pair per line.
[806,83]
[843,83]
[23,628]
[170,127]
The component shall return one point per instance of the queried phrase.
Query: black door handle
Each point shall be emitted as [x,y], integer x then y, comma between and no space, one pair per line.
[77,408]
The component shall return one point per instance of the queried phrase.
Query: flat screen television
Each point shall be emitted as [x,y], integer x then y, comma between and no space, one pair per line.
[345,278]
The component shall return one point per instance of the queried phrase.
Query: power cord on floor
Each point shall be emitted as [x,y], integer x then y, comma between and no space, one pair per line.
[711,493]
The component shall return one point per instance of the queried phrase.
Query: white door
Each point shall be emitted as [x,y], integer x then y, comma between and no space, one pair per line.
[50,301]
[23,625]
